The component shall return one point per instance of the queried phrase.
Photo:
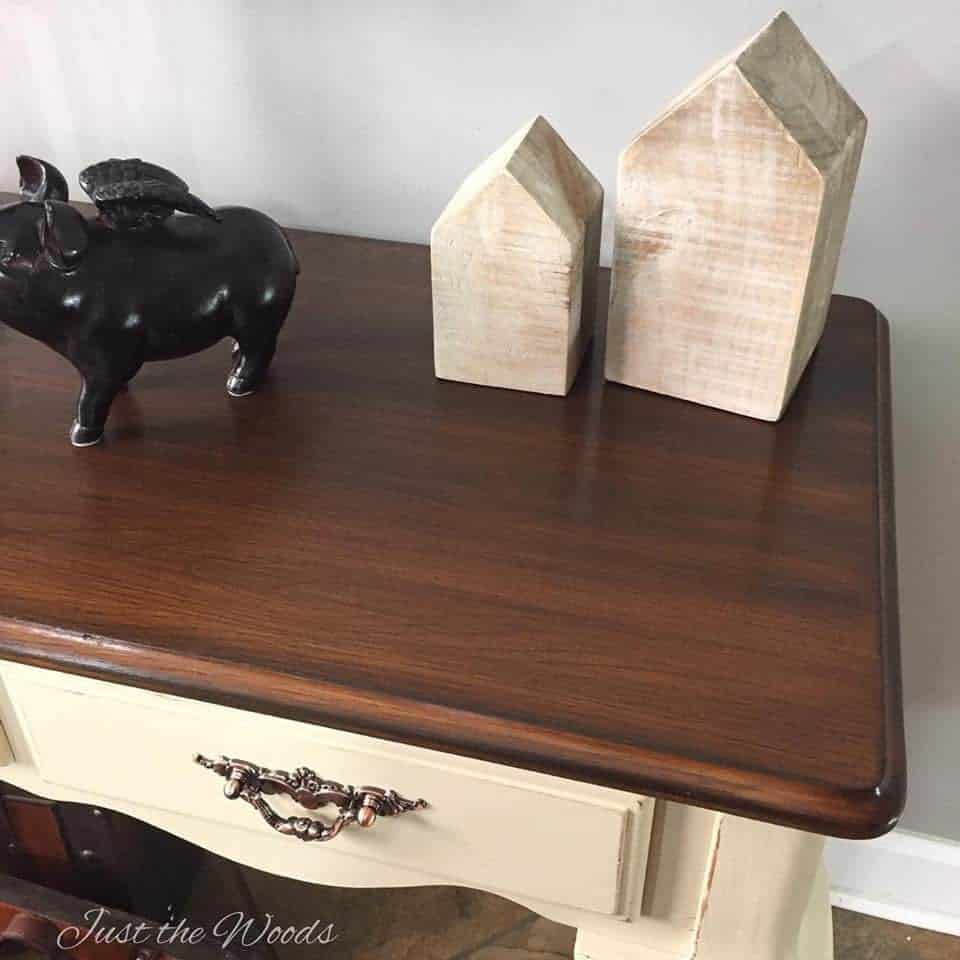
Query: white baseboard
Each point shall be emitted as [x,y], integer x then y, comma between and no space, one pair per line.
[905,877]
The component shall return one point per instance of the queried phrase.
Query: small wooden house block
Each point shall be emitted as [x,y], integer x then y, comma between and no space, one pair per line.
[731,210]
[514,260]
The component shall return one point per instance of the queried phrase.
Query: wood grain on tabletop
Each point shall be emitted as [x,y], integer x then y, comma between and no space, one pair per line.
[614,586]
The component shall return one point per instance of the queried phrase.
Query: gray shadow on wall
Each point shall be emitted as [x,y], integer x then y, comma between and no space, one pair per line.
[903,253]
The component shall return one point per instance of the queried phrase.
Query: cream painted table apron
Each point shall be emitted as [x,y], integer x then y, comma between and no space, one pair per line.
[637,656]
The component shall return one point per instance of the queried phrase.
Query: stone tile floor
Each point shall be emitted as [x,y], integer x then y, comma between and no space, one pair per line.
[857,937]
[450,923]
[445,923]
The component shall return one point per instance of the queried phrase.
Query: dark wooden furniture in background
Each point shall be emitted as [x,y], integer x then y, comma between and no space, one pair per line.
[33,917]
[94,853]
[61,862]
[615,587]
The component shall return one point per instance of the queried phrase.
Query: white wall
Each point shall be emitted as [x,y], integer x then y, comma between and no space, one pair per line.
[363,116]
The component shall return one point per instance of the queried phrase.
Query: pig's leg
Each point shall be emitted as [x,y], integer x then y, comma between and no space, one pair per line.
[104,375]
[93,408]
[251,365]
[256,345]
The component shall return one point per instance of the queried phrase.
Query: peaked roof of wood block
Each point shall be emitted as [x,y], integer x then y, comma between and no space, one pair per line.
[785,71]
[539,160]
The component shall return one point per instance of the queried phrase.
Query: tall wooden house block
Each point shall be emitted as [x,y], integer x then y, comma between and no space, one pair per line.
[514,260]
[731,210]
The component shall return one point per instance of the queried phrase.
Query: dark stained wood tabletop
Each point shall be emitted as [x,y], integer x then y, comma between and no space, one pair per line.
[614,586]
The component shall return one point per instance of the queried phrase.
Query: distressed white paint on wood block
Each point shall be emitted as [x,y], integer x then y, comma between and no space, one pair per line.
[731,211]
[514,260]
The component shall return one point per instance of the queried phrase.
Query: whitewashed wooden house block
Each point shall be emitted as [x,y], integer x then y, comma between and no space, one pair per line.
[731,210]
[514,262]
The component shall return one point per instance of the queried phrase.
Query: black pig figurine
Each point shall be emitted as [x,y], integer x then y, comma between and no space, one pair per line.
[138,283]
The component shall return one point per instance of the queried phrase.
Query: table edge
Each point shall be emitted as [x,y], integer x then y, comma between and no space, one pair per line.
[855,813]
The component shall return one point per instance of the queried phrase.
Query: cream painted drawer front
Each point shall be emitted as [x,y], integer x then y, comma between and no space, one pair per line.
[488,826]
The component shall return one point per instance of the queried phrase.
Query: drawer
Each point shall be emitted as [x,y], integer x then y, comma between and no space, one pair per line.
[486,826]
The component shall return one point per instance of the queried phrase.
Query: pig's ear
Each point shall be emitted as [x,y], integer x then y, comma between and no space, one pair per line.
[63,234]
[40,181]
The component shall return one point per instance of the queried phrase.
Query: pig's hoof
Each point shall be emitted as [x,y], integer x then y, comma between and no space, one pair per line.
[81,436]
[241,386]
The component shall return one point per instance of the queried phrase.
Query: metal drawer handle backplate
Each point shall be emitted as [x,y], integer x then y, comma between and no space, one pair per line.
[360,805]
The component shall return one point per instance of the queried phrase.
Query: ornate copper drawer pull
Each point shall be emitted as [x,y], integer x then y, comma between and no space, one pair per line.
[360,805]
